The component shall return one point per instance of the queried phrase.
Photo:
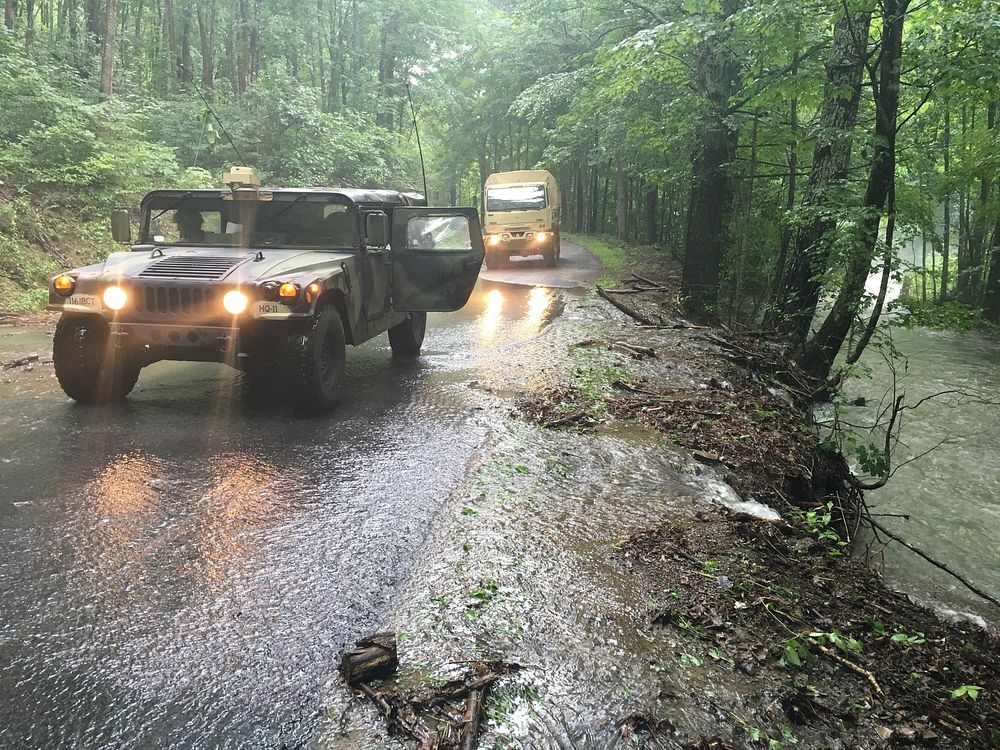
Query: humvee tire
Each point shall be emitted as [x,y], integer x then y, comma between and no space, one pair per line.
[314,364]
[80,354]
[407,337]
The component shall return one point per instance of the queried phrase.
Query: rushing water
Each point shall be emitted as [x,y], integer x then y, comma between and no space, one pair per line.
[951,494]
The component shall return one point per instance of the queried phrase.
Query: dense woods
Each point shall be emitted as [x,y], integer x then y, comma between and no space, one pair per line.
[782,151]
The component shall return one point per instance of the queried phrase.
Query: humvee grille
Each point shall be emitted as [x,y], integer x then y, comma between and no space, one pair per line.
[177,300]
[191,267]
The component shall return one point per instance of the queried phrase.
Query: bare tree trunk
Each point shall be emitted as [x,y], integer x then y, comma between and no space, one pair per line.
[8,13]
[946,241]
[820,351]
[991,296]
[621,200]
[890,230]
[109,50]
[831,159]
[712,186]
[206,36]
[652,214]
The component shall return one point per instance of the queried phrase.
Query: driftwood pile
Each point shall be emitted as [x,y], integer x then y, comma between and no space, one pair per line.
[442,717]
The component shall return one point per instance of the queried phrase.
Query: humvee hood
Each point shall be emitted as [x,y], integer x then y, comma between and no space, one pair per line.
[214,264]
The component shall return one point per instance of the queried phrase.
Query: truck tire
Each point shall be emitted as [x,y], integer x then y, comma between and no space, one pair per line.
[89,369]
[550,255]
[407,337]
[314,364]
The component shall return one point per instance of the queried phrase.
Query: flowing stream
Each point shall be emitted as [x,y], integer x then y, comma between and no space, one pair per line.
[951,495]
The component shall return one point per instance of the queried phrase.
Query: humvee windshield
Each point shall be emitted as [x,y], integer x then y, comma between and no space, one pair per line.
[519,198]
[286,221]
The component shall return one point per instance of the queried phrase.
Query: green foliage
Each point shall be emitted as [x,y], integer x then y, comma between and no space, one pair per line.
[966,691]
[948,316]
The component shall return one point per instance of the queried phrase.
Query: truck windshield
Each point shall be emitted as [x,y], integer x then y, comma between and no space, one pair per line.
[288,221]
[515,198]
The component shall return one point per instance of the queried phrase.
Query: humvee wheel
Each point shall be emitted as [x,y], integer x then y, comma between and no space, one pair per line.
[314,364]
[89,368]
[408,336]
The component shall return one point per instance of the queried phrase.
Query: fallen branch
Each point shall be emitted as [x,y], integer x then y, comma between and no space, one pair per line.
[634,314]
[858,670]
[939,565]
[20,362]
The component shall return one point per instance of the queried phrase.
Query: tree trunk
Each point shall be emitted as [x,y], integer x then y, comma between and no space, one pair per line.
[831,160]
[946,241]
[581,206]
[977,233]
[206,36]
[8,13]
[890,230]
[820,351]
[652,214]
[621,200]
[109,50]
[991,297]
[711,186]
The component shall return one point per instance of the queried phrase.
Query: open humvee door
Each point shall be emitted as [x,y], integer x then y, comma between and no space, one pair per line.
[436,256]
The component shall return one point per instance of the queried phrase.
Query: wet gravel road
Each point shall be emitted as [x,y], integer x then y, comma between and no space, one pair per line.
[181,571]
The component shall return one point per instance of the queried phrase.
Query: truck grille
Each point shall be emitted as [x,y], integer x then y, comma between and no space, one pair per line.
[177,300]
[191,267]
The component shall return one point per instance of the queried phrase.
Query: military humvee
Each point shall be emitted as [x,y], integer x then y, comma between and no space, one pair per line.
[272,281]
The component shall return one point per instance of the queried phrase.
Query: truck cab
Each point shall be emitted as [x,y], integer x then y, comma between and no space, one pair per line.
[521,214]
[274,282]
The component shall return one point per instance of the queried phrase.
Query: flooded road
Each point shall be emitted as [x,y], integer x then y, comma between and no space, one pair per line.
[181,571]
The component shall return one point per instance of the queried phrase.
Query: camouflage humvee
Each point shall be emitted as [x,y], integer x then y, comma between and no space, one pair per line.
[272,281]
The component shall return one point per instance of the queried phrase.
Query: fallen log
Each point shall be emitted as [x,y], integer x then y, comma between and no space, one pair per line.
[470,720]
[372,658]
[634,314]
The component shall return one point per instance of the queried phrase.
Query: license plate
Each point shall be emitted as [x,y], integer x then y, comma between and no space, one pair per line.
[270,309]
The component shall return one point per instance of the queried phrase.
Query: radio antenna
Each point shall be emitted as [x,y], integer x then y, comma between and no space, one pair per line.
[420,150]
[243,162]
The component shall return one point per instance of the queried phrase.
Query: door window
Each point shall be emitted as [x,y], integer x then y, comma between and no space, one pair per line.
[438,233]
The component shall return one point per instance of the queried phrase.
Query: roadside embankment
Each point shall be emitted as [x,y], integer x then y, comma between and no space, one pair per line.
[659,540]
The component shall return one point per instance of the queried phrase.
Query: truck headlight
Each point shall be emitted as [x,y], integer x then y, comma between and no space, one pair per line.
[235,302]
[494,239]
[63,284]
[542,236]
[114,298]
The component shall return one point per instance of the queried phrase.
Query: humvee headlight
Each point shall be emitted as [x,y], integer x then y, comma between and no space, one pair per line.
[312,291]
[288,291]
[494,239]
[115,298]
[235,302]
[63,284]
[542,236]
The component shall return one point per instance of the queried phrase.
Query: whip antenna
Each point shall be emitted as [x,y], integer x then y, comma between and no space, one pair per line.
[420,150]
[243,162]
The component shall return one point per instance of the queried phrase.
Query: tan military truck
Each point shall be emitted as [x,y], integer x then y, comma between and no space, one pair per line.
[521,216]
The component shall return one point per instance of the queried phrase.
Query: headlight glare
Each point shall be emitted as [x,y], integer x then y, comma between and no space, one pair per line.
[114,298]
[235,302]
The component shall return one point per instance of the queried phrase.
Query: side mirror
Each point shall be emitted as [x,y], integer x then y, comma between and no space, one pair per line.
[121,225]
[376,229]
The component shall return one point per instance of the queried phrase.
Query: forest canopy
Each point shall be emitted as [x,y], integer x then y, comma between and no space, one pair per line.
[782,150]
